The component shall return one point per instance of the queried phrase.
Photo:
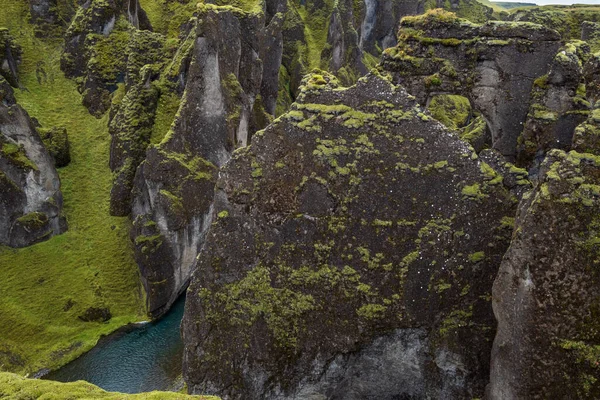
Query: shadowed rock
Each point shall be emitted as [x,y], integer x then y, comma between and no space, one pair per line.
[547,294]
[352,254]
[30,197]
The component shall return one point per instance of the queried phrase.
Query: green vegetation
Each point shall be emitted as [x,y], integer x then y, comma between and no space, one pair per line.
[14,387]
[451,110]
[45,287]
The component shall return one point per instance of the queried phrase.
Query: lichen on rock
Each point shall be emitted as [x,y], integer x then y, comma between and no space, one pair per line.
[353,242]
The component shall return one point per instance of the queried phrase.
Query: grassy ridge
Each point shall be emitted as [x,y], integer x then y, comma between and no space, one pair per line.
[15,387]
[45,287]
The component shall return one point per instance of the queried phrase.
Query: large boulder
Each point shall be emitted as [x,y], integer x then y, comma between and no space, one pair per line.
[493,65]
[352,253]
[30,197]
[221,108]
[546,297]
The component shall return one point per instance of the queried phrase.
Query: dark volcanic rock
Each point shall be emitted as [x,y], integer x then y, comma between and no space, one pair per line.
[30,197]
[494,65]
[352,254]
[94,314]
[558,105]
[10,57]
[56,141]
[221,108]
[547,294]
[96,48]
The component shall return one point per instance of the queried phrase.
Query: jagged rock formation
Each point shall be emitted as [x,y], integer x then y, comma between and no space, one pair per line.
[558,105]
[370,238]
[30,197]
[547,294]
[347,37]
[222,106]
[493,65]
[56,141]
[10,57]
[95,48]
[133,116]
[572,22]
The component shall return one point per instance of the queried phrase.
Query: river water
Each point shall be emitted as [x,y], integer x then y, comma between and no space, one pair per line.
[141,359]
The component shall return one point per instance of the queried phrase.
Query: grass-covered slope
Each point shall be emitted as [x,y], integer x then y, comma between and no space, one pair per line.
[44,288]
[14,387]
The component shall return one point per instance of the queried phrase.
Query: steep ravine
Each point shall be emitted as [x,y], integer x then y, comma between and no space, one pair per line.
[364,206]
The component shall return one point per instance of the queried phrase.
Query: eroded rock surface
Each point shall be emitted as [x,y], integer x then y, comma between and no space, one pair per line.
[30,197]
[96,45]
[494,65]
[547,294]
[355,233]
[221,108]
[10,57]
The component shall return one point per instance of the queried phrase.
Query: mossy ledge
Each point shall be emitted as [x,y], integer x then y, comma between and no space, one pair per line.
[15,387]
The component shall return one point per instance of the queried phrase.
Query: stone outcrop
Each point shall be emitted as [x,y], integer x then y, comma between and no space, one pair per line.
[347,37]
[493,65]
[96,44]
[351,255]
[56,141]
[222,106]
[30,197]
[558,105]
[10,57]
[132,117]
[546,297]
[570,22]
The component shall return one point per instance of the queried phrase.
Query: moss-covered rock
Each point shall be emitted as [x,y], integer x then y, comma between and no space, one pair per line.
[96,45]
[221,108]
[558,105]
[10,57]
[30,196]
[546,296]
[56,141]
[368,229]
[493,65]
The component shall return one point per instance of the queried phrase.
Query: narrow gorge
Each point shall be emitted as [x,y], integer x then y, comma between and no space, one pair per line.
[378,199]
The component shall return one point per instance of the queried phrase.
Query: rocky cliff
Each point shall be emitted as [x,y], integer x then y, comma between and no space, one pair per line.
[30,196]
[354,243]
[546,296]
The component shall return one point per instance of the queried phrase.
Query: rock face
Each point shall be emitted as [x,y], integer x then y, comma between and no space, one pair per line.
[30,197]
[221,107]
[348,37]
[352,254]
[96,48]
[547,294]
[558,105]
[10,57]
[132,117]
[493,65]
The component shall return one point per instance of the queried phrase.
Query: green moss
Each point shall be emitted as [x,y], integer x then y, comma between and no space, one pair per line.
[33,220]
[474,192]
[16,387]
[223,214]
[16,154]
[371,311]
[92,263]
[541,82]
[432,80]
[455,320]
[281,307]
[451,110]
[476,257]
